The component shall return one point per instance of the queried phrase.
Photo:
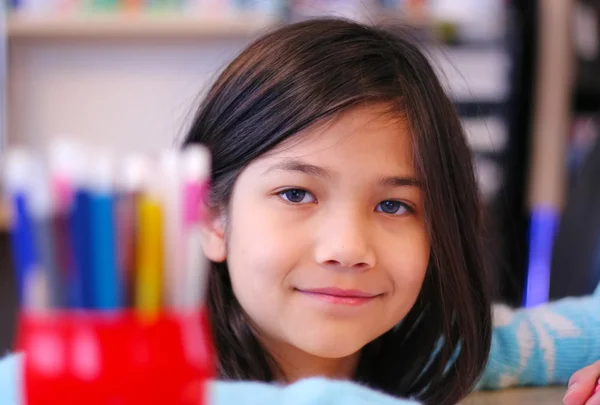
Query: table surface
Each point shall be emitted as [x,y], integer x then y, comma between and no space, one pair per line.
[520,396]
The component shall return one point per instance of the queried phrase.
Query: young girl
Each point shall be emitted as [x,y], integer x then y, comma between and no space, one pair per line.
[344,228]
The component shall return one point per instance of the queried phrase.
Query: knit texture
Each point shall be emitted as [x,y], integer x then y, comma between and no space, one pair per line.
[544,345]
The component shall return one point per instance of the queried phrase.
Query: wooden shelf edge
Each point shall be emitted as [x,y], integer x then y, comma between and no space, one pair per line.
[166,25]
[134,26]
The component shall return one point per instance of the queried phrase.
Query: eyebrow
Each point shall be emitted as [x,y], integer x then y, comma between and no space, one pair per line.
[401,181]
[293,165]
[317,171]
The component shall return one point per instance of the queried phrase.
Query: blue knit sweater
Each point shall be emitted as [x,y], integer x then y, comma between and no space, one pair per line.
[538,346]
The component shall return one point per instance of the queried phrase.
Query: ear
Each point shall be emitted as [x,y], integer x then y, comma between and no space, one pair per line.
[213,237]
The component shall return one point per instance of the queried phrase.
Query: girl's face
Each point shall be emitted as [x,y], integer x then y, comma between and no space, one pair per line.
[325,238]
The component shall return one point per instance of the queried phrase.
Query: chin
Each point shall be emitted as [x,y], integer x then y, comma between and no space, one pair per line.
[332,339]
[334,348]
[332,352]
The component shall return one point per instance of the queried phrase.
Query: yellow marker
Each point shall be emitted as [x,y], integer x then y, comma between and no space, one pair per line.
[149,277]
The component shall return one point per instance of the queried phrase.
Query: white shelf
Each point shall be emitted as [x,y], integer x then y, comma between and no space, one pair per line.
[120,26]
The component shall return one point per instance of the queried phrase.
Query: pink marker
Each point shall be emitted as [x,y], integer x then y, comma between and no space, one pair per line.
[196,174]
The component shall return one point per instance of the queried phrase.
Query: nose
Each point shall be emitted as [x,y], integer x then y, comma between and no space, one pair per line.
[343,242]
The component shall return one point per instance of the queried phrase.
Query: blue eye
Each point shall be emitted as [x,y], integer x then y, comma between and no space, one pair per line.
[392,207]
[297,196]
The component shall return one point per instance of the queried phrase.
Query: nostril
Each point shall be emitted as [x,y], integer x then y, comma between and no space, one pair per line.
[361,265]
[337,263]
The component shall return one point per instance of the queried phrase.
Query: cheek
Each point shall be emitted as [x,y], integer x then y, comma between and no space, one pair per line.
[407,262]
[261,243]
[261,251]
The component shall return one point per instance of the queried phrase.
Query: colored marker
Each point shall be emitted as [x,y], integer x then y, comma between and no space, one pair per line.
[135,173]
[196,167]
[79,282]
[149,277]
[42,209]
[65,167]
[17,171]
[171,199]
[106,294]
[80,286]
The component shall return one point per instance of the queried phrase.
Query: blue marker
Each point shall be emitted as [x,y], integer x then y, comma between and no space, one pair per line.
[23,249]
[71,222]
[22,239]
[80,282]
[26,183]
[106,286]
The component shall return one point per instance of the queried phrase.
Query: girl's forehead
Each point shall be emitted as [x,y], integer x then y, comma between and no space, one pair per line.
[370,132]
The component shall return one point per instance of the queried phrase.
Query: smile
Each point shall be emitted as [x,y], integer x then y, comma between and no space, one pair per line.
[339,296]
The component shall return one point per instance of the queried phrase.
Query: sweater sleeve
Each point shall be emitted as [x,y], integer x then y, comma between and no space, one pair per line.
[543,345]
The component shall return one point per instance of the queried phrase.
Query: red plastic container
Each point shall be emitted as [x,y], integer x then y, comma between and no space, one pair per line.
[119,358]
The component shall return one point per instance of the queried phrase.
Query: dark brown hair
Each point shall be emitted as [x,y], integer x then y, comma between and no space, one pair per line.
[292,79]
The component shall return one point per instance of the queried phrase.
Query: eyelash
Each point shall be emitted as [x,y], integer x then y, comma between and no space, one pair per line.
[281,194]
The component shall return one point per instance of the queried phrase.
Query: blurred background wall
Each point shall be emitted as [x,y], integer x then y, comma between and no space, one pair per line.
[122,93]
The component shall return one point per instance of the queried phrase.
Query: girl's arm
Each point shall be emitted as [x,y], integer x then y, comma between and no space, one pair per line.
[313,391]
[543,345]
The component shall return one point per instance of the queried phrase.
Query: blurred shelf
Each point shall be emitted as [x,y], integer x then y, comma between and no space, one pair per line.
[155,25]
[123,26]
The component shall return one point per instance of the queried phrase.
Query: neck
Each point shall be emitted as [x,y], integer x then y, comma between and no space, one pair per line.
[293,364]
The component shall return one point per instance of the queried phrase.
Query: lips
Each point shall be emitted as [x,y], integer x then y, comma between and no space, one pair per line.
[340,296]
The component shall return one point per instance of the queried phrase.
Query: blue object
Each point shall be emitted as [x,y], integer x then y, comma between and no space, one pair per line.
[105,277]
[80,281]
[542,232]
[22,242]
